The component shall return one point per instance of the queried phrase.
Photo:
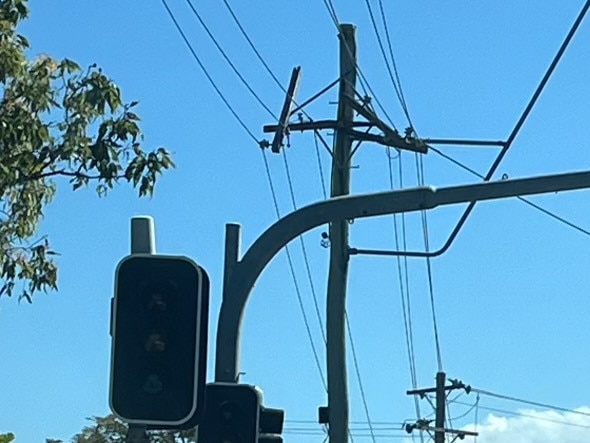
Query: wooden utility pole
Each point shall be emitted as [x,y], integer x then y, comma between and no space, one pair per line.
[338,271]
[439,429]
[441,406]
[345,130]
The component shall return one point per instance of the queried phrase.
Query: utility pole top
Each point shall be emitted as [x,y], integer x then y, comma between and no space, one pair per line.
[439,429]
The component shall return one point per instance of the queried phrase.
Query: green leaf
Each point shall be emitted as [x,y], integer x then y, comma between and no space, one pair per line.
[70,65]
[7,438]
[58,121]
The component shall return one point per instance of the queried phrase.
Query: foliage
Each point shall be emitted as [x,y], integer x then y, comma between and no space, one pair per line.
[110,429]
[6,438]
[56,120]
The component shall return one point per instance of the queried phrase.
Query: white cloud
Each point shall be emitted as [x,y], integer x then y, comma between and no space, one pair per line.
[535,427]
[528,426]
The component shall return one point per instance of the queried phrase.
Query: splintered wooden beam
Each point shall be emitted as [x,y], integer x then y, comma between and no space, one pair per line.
[390,136]
[283,125]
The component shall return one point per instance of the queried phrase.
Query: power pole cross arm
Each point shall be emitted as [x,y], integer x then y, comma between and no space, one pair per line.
[283,125]
[390,136]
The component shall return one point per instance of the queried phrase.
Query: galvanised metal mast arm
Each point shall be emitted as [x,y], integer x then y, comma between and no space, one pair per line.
[241,275]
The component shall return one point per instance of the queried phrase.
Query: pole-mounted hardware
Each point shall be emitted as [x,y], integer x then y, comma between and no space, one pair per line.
[441,391]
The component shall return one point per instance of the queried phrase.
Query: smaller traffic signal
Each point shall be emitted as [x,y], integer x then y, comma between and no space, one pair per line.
[231,415]
[159,339]
[270,425]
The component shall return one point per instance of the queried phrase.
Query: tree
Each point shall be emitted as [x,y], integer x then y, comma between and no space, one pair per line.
[6,438]
[110,429]
[57,121]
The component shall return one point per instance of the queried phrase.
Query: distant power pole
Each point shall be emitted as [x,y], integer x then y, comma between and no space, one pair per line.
[439,429]
[441,408]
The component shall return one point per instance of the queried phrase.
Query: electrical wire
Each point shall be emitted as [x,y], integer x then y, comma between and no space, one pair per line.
[206,72]
[228,60]
[320,168]
[528,402]
[522,199]
[448,418]
[455,398]
[420,174]
[394,78]
[404,289]
[362,78]
[290,183]
[332,11]
[294,278]
[286,163]
[358,376]
[396,424]
[387,435]
[526,415]
[264,63]
[269,177]
[523,117]
[476,417]
[394,64]
[507,145]
[382,49]
[253,46]
[466,413]
[304,251]
[250,133]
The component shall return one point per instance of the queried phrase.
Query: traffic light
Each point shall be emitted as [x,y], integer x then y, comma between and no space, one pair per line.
[270,425]
[159,341]
[232,414]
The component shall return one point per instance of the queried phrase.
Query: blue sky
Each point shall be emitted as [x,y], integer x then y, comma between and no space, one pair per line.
[511,292]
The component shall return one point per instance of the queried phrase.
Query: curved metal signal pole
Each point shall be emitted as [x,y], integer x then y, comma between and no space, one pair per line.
[241,275]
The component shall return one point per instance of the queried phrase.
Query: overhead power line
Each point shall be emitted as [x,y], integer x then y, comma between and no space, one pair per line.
[206,72]
[404,282]
[286,163]
[424,217]
[362,78]
[393,73]
[394,64]
[522,199]
[238,23]
[522,119]
[525,415]
[253,46]
[293,200]
[508,144]
[396,424]
[269,178]
[304,251]
[359,378]
[529,402]
[296,284]
[228,60]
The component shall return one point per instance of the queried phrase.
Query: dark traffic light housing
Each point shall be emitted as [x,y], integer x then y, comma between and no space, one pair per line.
[234,414]
[231,415]
[159,341]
